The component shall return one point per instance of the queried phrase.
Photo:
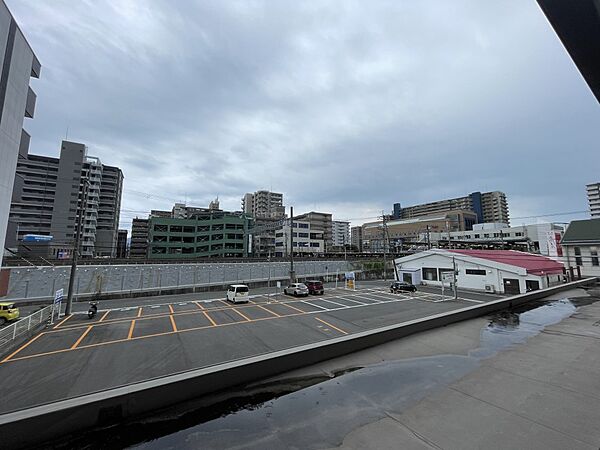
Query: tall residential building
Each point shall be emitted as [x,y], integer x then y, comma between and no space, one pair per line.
[340,233]
[356,238]
[489,207]
[264,205]
[49,192]
[122,244]
[138,247]
[593,195]
[17,100]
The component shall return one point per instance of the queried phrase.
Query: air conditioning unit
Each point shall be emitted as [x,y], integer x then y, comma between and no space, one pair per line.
[489,288]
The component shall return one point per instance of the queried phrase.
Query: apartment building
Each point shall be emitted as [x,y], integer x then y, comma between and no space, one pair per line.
[17,101]
[264,205]
[138,247]
[356,238]
[488,207]
[122,244]
[49,193]
[306,239]
[320,223]
[593,195]
[340,233]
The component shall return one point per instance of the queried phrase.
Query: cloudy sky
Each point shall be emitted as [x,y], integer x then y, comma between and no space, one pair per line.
[344,106]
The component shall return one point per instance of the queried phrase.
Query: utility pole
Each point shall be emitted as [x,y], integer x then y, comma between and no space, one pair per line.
[292,273]
[454,279]
[69,305]
[448,231]
[384,231]
[428,239]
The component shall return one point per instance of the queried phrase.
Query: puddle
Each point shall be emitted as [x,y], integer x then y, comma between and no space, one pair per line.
[317,413]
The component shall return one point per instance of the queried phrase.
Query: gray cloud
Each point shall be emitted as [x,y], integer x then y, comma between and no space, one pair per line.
[343,106]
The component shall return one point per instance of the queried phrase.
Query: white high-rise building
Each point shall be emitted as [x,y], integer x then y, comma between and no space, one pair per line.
[593,195]
[340,233]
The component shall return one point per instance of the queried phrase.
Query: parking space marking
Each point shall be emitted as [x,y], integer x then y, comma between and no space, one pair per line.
[293,307]
[199,305]
[268,310]
[332,326]
[173,324]
[63,321]
[210,319]
[139,314]
[317,306]
[171,309]
[331,301]
[130,334]
[354,301]
[23,347]
[243,315]
[104,316]
[224,302]
[84,334]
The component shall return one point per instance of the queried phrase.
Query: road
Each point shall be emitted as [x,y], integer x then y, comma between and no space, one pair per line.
[137,340]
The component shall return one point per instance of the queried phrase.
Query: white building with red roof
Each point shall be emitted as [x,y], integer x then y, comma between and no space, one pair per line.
[499,271]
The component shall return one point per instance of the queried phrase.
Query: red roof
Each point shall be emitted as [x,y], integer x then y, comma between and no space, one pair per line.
[535,264]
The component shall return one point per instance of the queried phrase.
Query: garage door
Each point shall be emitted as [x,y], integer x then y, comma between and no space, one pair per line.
[511,286]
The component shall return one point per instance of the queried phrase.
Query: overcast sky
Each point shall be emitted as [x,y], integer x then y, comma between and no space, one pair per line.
[345,107]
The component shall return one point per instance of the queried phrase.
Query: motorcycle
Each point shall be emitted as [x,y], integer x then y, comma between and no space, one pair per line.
[93,310]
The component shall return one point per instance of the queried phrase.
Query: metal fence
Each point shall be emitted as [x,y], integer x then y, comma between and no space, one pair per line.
[9,333]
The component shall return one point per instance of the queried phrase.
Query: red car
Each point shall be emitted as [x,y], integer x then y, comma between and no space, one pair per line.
[315,287]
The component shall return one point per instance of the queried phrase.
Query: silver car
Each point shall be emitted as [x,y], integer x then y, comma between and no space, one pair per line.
[296,289]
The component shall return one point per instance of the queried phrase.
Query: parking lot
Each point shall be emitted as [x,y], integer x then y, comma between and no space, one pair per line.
[135,343]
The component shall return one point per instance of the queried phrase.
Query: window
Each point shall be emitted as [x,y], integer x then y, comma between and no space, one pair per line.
[486,235]
[189,229]
[475,272]
[578,259]
[303,225]
[279,244]
[278,234]
[176,229]
[315,244]
[594,253]
[303,235]
[518,234]
[430,273]
[476,236]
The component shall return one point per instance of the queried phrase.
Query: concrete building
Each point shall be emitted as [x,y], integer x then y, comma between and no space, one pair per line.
[319,223]
[49,193]
[206,234]
[17,101]
[488,207]
[138,247]
[501,271]
[403,234]
[593,196]
[581,244]
[356,238]
[122,244]
[543,238]
[264,205]
[306,240]
[340,233]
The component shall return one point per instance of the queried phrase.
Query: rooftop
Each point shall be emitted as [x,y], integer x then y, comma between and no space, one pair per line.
[534,264]
[582,231]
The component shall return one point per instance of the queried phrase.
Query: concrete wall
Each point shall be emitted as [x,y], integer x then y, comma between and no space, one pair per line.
[39,424]
[42,282]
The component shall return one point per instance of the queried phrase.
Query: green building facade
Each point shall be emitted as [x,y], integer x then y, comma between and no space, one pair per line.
[210,234]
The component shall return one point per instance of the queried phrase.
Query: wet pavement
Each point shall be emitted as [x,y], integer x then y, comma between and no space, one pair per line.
[319,411]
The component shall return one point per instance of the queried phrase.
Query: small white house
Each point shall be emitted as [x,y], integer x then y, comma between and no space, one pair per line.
[501,271]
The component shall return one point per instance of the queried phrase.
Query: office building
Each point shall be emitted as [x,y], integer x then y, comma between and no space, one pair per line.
[356,238]
[138,247]
[122,244]
[487,206]
[264,205]
[17,101]
[49,193]
[593,195]
[340,233]
[306,240]
[210,233]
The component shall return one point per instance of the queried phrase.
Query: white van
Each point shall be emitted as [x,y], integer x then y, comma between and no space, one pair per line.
[237,293]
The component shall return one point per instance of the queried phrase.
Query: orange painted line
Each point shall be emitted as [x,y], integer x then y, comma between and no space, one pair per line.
[173,323]
[104,316]
[21,348]
[84,334]
[268,310]
[171,309]
[63,321]
[131,329]
[139,314]
[243,315]
[210,319]
[293,307]
[332,326]
[225,303]
[199,305]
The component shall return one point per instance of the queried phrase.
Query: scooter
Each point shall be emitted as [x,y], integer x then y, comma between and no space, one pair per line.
[93,310]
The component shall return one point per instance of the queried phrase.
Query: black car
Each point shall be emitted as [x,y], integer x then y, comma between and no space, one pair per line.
[398,286]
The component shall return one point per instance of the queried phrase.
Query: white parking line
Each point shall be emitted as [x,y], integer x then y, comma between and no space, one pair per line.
[317,306]
[353,301]
[331,301]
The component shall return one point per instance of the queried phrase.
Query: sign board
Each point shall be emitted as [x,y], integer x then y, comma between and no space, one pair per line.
[58,296]
[279,285]
[36,238]
[350,278]
[447,277]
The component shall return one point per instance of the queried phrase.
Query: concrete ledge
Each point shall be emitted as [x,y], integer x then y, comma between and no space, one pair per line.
[43,423]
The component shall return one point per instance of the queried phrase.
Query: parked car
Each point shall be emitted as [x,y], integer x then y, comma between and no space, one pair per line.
[8,312]
[238,293]
[296,289]
[315,287]
[399,286]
